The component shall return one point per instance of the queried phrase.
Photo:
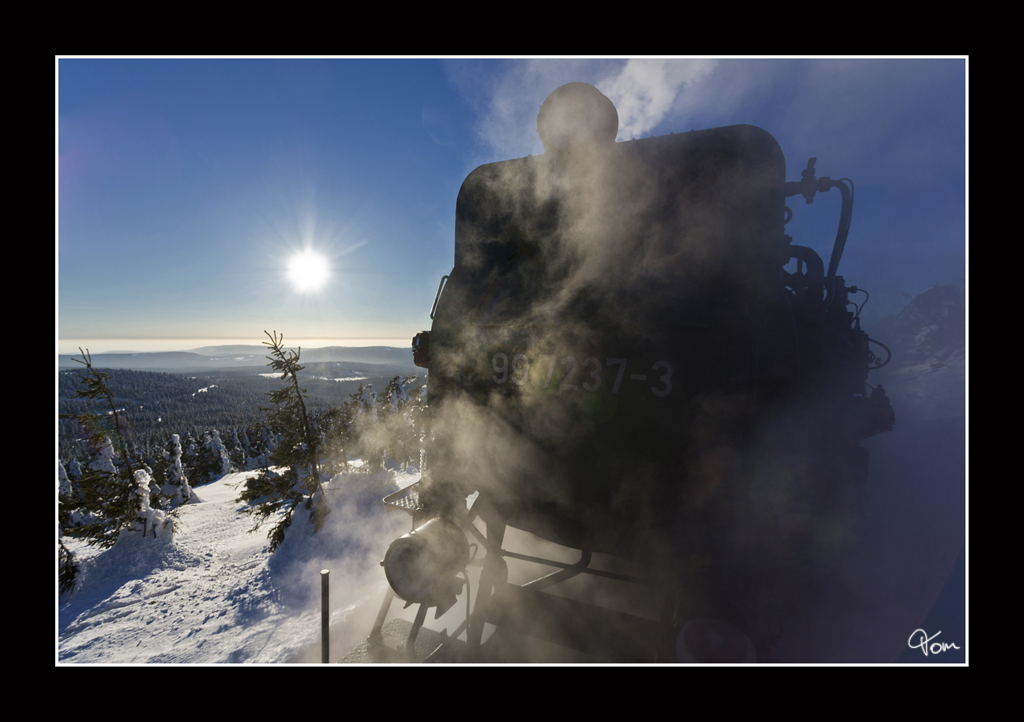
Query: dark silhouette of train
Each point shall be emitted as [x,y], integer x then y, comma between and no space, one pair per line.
[632,359]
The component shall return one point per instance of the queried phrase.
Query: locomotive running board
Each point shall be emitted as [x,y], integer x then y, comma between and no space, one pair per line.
[407,500]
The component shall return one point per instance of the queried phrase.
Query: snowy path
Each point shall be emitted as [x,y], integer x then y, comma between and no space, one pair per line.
[213,596]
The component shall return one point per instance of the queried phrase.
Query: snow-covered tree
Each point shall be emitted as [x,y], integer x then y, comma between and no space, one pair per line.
[149,522]
[104,459]
[366,402]
[216,454]
[190,458]
[237,449]
[74,469]
[63,481]
[175,485]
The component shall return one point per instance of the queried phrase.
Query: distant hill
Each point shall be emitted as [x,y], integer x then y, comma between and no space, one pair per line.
[209,358]
[927,374]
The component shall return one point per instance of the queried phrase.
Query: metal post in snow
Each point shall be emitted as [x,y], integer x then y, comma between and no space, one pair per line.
[325,633]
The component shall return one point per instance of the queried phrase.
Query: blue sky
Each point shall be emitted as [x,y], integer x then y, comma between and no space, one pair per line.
[184,186]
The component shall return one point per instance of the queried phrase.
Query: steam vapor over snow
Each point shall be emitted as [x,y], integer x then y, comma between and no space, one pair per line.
[214,595]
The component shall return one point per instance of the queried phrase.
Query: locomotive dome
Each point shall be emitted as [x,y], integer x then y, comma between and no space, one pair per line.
[577,115]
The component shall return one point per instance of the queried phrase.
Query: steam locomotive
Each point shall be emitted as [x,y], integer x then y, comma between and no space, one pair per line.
[632,359]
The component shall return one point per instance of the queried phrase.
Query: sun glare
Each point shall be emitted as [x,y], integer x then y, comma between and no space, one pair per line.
[308,271]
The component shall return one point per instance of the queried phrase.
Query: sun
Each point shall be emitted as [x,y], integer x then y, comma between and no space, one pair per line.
[308,270]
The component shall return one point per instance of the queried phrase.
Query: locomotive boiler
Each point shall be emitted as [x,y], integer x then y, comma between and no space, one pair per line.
[631,359]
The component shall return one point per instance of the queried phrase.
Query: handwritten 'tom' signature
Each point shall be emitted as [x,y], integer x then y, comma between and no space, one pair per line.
[922,642]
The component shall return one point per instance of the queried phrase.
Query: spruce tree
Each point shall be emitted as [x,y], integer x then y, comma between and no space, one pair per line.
[175,482]
[365,435]
[101,502]
[237,451]
[293,477]
[66,567]
[211,460]
[336,440]
[220,455]
[399,407]
[190,460]
[149,521]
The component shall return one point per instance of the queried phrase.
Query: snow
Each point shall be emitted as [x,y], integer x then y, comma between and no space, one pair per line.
[213,595]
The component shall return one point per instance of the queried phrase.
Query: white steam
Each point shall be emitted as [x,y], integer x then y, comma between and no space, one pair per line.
[645,91]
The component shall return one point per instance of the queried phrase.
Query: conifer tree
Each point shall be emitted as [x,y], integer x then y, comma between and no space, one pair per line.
[67,570]
[294,475]
[175,482]
[336,440]
[63,481]
[237,451]
[149,521]
[203,464]
[211,460]
[398,414]
[101,501]
[190,459]
[219,452]
[364,433]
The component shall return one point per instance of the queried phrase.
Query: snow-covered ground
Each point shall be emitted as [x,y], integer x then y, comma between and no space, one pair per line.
[214,594]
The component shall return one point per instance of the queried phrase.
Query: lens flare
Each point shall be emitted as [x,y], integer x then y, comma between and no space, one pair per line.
[308,271]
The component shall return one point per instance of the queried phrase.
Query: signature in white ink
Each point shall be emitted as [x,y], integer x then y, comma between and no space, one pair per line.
[919,639]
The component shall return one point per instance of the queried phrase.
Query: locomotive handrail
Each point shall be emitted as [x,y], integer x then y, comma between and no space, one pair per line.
[582,569]
[844,229]
[437,296]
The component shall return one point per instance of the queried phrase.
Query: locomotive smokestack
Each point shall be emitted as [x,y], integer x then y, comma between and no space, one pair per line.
[576,117]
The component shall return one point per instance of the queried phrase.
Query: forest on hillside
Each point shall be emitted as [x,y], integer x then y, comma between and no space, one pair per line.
[156,405]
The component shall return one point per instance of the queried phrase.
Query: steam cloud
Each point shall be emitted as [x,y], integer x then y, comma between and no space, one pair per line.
[644,91]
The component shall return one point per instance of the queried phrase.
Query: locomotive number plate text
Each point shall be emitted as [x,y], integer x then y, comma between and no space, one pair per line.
[575,375]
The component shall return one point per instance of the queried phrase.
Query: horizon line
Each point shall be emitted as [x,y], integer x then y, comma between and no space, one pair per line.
[71,346]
